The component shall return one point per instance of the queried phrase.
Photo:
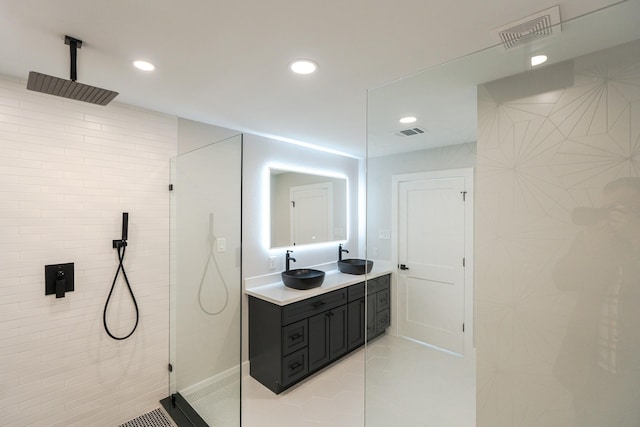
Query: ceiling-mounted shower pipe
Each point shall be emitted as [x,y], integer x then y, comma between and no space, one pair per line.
[74,45]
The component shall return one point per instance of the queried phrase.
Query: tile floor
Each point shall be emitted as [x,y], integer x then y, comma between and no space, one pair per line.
[407,384]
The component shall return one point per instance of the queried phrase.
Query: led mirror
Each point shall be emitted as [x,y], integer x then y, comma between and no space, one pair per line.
[307,209]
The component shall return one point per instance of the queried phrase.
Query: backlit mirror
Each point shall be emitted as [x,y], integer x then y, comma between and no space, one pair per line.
[306,208]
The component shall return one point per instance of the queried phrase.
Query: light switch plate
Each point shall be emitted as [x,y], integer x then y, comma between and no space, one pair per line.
[221,244]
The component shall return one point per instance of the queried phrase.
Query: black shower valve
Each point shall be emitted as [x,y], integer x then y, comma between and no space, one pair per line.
[58,279]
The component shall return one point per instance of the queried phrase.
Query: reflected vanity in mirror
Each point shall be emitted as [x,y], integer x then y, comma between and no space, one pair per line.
[306,208]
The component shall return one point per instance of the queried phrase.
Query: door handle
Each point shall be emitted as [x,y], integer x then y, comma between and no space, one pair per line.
[403,267]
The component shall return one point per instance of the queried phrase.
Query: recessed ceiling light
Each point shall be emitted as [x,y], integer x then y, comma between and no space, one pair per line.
[303,66]
[408,119]
[538,59]
[144,65]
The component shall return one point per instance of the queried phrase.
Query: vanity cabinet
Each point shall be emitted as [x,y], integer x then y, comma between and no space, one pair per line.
[288,343]
[378,306]
[356,316]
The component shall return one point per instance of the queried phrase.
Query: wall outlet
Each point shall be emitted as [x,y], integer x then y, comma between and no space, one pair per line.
[384,234]
[272,262]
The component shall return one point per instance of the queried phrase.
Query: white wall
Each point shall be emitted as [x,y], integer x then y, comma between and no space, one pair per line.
[69,170]
[193,135]
[557,302]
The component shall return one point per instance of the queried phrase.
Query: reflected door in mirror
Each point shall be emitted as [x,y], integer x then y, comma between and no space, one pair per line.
[311,213]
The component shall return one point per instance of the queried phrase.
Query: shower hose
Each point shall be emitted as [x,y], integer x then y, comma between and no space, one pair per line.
[212,239]
[121,246]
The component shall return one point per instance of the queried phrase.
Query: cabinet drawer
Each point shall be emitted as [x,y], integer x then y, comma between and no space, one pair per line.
[382,300]
[355,291]
[307,308]
[382,320]
[378,284]
[294,337]
[294,366]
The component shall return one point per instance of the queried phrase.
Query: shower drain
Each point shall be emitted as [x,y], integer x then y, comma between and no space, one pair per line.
[155,418]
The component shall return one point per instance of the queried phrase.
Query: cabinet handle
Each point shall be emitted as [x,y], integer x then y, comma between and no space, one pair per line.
[295,336]
[318,304]
[295,365]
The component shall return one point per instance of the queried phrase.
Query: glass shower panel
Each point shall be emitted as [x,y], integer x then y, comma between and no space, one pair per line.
[550,293]
[206,283]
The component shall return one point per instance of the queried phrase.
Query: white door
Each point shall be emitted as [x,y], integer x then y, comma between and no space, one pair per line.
[311,213]
[431,252]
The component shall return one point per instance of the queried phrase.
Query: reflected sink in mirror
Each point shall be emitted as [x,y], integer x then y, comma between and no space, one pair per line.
[302,278]
[355,266]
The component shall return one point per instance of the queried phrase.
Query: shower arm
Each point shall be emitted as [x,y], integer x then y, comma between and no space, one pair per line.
[74,45]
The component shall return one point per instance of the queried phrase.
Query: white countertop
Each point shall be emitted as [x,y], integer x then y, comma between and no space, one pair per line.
[278,293]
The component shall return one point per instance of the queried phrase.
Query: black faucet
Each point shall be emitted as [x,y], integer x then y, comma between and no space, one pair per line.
[340,250]
[288,258]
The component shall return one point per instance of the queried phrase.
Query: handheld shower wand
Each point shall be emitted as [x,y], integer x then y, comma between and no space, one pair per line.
[121,246]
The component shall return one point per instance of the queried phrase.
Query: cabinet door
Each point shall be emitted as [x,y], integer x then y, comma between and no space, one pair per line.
[382,300]
[318,341]
[355,324]
[372,326]
[383,321]
[337,332]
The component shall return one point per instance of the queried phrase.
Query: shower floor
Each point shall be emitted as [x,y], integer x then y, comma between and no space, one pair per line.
[155,418]
[218,403]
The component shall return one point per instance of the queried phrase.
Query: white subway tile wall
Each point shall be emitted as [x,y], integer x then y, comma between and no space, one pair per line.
[67,172]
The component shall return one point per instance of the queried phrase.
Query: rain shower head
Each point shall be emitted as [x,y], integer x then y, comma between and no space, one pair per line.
[70,88]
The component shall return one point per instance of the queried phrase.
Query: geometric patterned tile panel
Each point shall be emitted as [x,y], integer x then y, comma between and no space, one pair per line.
[542,161]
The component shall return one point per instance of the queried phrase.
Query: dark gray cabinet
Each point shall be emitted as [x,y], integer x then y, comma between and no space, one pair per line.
[327,337]
[288,343]
[378,306]
[355,324]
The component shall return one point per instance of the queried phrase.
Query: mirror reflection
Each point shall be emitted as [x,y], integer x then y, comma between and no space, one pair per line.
[306,208]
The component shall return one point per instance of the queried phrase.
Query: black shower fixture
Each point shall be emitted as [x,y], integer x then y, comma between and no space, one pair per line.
[121,246]
[70,88]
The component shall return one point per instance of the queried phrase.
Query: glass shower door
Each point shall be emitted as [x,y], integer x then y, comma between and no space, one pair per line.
[206,285]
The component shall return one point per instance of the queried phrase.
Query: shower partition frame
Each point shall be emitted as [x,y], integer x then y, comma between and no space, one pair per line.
[205,349]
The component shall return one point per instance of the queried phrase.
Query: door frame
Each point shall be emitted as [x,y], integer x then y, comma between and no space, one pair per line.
[467,174]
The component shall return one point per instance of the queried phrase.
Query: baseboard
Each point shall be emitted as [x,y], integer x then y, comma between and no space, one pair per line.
[223,377]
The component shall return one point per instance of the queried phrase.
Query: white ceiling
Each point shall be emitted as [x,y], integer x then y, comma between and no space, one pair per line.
[225,63]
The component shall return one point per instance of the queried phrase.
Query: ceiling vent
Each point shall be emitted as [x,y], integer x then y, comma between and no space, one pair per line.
[411,132]
[536,26]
